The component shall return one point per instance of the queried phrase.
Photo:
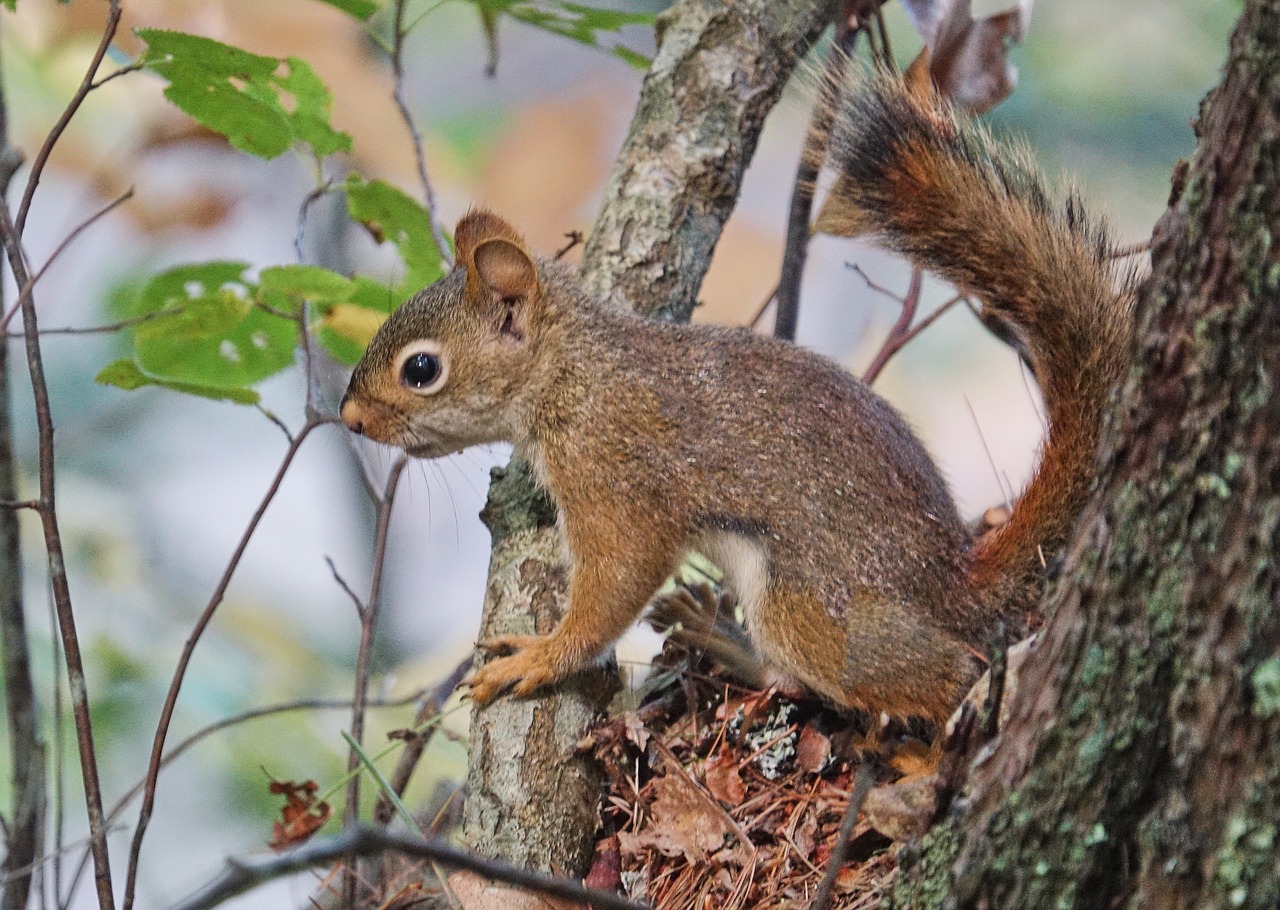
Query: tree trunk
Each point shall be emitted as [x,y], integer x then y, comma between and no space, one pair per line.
[718,71]
[26,749]
[1141,763]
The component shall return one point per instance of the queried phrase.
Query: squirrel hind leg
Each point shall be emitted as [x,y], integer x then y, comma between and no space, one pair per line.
[881,659]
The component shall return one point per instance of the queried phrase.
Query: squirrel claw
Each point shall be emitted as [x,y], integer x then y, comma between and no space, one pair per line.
[525,671]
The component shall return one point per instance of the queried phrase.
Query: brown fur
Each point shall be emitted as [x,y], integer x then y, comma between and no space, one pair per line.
[831,521]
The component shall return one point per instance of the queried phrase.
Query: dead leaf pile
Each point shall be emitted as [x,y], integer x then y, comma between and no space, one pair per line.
[738,804]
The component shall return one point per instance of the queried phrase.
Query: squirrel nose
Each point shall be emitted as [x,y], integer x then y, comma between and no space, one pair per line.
[352,417]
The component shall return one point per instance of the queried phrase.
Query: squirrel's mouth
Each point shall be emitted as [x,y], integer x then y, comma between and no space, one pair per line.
[438,447]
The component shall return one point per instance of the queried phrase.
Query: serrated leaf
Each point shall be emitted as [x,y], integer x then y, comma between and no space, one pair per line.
[262,105]
[211,333]
[124,374]
[184,349]
[392,216]
[360,9]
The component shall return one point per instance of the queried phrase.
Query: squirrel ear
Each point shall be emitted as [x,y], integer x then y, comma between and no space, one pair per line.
[505,269]
[477,226]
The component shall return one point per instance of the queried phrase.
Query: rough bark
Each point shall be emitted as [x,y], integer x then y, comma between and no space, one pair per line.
[1141,763]
[718,70]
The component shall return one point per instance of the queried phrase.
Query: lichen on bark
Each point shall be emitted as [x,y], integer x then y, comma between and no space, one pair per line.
[1136,769]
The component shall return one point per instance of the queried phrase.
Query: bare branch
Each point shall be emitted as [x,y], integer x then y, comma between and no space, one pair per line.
[306,704]
[862,782]
[179,673]
[898,334]
[416,745]
[66,242]
[368,626]
[108,327]
[342,583]
[399,33]
[45,507]
[86,86]
[26,751]
[796,250]
[244,875]
[1133,249]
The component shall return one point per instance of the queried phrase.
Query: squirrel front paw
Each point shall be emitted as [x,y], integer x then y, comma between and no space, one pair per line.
[531,666]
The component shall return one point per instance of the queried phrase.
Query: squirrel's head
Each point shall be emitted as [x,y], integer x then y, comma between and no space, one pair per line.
[447,370]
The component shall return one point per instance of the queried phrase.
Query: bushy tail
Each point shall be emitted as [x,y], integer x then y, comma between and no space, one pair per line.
[938,189]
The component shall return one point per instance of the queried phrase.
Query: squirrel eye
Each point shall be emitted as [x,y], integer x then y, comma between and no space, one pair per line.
[420,370]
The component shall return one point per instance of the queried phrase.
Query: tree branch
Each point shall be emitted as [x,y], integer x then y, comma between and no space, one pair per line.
[399,33]
[86,86]
[46,508]
[368,626]
[244,875]
[179,673]
[26,750]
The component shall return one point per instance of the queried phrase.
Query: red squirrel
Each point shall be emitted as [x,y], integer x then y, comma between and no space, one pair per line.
[833,526]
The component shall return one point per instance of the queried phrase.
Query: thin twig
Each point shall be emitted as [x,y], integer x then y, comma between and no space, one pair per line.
[307,704]
[108,327]
[23,837]
[368,627]
[179,673]
[898,334]
[300,233]
[399,32]
[86,86]
[1133,249]
[280,424]
[342,583]
[574,238]
[245,874]
[763,308]
[133,67]
[66,242]
[58,581]
[414,746]
[796,250]
[933,317]
[862,782]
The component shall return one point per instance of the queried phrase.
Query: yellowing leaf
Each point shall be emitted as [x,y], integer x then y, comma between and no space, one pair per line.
[355,323]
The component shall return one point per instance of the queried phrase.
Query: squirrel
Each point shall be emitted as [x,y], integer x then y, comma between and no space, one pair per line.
[835,530]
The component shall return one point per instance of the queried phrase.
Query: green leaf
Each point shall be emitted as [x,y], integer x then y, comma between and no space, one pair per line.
[211,333]
[361,9]
[285,287]
[394,217]
[125,374]
[11,5]
[575,21]
[262,105]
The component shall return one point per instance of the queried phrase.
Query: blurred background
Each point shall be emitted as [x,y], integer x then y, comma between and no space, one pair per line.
[155,487]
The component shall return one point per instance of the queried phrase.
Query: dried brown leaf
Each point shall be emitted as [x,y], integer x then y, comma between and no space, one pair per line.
[682,822]
[903,810]
[300,817]
[813,750]
[968,58]
[724,779]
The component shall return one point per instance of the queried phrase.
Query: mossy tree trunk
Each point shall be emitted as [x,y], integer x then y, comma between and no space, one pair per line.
[1141,763]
